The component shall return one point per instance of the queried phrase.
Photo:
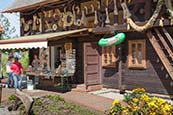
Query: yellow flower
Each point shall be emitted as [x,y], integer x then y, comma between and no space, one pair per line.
[161,101]
[152,105]
[138,90]
[136,108]
[145,97]
[152,113]
[125,111]
[116,102]
[167,107]
[135,100]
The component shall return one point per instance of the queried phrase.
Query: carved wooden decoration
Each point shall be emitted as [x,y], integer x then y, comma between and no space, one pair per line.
[74,14]
[58,16]
[99,6]
[86,9]
[83,19]
[115,8]
[96,18]
[78,9]
[126,12]
[26,24]
[107,16]
[47,24]
[92,8]
[34,26]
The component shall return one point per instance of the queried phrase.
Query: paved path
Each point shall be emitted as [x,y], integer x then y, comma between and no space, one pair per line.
[4,111]
[89,100]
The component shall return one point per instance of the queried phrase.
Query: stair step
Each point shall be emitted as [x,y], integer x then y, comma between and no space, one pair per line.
[160,52]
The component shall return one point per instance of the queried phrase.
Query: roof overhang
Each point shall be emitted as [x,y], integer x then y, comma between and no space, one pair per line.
[19,6]
[36,41]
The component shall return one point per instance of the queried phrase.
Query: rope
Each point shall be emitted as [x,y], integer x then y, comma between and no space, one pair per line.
[151,20]
[168,4]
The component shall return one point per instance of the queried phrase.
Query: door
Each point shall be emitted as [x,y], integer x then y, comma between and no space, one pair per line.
[91,64]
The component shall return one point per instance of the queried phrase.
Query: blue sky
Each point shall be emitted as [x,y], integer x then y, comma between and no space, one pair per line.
[5,3]
[13,18]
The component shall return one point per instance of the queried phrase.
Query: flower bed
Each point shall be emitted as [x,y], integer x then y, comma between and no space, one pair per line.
[139,103]
[53,105]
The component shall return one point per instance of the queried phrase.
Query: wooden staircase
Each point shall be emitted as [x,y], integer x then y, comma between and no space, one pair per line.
[162,42]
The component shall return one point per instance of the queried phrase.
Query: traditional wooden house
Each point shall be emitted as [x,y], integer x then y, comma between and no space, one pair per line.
[72,29]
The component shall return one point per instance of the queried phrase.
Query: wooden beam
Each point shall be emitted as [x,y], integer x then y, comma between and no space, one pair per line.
[160,53]
[164,43]
[123,27]
[168,36]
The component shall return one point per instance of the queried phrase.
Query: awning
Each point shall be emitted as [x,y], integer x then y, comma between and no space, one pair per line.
[36,41]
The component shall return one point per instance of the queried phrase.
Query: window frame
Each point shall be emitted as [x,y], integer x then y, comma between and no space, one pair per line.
[106,54]
[143,65]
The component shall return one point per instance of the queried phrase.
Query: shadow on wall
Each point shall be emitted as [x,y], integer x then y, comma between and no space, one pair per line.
[163,76]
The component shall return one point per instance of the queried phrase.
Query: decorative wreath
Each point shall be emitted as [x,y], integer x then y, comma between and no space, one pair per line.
[153,17]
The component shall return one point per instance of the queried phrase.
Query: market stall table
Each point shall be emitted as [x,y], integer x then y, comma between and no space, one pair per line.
[50,76]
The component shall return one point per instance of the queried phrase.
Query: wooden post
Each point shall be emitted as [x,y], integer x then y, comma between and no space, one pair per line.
[120,67]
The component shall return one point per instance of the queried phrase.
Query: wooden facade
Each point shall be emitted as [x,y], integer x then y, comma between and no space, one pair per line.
[144,59]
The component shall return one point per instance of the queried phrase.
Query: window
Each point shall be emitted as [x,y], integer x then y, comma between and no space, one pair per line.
[137,54]
[109,56]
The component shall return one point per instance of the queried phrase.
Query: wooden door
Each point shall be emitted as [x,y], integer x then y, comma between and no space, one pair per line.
[92,64]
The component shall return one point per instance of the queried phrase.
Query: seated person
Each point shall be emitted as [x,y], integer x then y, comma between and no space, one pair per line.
[61,70]
[44,63]
[36,62]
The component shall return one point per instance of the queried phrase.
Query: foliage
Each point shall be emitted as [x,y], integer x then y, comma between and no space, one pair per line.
[12,98]
[8,29]
[24,60]
[139,103]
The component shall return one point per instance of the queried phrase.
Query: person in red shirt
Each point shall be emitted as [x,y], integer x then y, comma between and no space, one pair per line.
[16,68]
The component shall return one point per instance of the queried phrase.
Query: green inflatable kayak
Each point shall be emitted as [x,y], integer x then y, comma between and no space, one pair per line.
[115,40]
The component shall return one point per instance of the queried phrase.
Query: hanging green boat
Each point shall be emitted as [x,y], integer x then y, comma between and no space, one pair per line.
[115,40]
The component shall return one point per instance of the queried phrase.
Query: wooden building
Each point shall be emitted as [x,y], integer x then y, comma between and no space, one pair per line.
[72,29]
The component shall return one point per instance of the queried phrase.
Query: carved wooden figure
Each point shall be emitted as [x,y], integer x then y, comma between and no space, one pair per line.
[58,17]
[40,21]
[26,25]
[34,25]
[48,25]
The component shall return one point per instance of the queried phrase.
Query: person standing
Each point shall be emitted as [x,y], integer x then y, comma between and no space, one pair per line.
[16,68]
[36,62]
[9,72]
